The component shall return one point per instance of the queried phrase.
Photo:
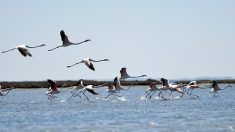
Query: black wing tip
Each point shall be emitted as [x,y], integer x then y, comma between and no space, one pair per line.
[49,80]
[62,33]
[92,91]
[115,79]
[92,67]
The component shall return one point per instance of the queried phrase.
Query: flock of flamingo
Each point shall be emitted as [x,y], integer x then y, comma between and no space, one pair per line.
[114,88]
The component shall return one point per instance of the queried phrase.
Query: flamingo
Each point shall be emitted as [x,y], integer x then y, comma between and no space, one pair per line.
[111,91]
[76,88]
[172,87]
[117,85]
[152,89]
[52,90]
[88,63]
[216,88]
[191,86]
[124,75]
[66,41]
[90,89]
[23,49]
[3,90]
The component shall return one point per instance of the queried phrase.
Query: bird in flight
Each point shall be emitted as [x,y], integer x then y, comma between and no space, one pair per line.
[23,49]
[66,41]
[88,63]
[124,75]
[216,88]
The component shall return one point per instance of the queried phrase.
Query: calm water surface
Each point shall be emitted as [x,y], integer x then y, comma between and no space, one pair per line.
[30,110]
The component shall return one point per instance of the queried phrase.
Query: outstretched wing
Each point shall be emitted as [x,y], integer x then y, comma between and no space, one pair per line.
[64,37]
[91,90]
[24,52]
[164,82]
[90,65]
[123,72]
[215,85]
[51,81]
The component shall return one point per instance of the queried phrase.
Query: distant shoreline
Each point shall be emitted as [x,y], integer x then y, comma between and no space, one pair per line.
[45,84]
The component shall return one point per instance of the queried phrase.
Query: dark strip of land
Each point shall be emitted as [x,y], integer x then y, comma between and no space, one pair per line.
[68,83]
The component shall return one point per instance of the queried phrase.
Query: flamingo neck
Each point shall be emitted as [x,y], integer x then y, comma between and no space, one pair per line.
[99,60]
[35,46]
[79,42]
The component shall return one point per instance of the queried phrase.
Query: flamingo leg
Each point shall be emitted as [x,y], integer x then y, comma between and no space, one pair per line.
[152,94]
[160,95]
[55,48]
[85,95]
[112,94]
[107,96]
[193,94]
[147,94]
[74,94]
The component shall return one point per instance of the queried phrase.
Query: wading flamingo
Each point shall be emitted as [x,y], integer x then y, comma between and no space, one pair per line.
[23,49]
[52,90]
[66,41]
[124,75]
[88,63]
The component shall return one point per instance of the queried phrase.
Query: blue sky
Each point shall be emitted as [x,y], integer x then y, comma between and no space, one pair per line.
[172,39]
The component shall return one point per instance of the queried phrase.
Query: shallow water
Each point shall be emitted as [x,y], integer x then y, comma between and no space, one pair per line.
[30,110]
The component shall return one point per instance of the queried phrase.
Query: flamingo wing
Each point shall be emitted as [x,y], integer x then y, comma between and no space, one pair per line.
[51,81]
[90,65]
[24,52]
[64,37]
[165,82]
[215,85]
[123,71]
[90,89]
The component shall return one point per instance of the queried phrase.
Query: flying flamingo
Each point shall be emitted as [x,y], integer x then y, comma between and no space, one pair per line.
[23,49]
[124,75]
[172,87]
[216,88]
[191,86]
[111,91]
[3,90]
[88,63]
[90,89]
[52,90]
[152,89]
[66,41]
[76,88]
[115,87]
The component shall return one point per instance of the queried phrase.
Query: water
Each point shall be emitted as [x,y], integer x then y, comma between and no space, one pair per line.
[30,110]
